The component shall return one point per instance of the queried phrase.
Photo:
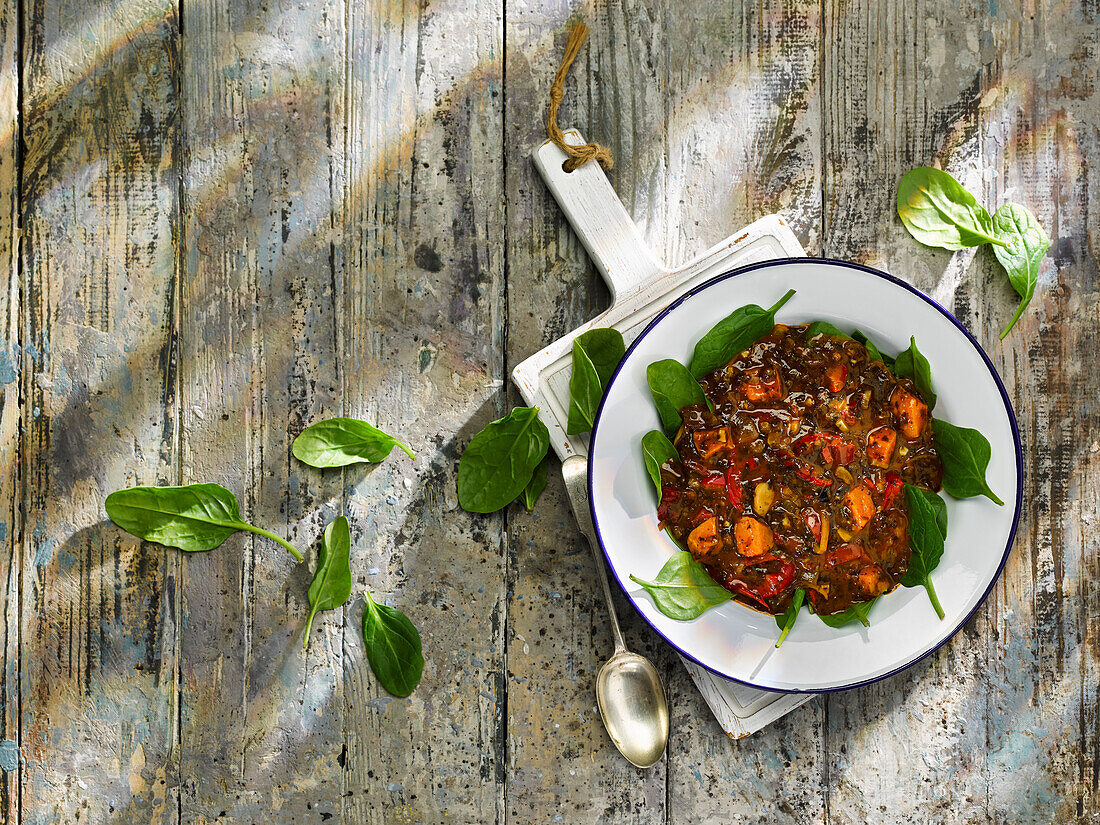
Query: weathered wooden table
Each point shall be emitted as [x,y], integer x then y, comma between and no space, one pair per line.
[224,219]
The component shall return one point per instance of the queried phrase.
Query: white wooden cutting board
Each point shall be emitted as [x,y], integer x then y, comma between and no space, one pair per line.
[641,286]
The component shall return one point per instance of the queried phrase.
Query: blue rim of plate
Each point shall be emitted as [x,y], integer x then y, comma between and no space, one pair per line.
[733,273]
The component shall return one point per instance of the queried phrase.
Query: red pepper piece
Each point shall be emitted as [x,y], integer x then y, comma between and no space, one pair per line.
[844,553]
[701,516]
[775,583]
[807,474]
[813,521]
[734,491]
[714,481]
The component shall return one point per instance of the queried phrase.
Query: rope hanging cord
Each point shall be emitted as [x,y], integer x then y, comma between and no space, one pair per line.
[578,155]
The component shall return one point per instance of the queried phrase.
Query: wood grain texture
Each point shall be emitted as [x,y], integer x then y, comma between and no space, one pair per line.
[259,317]
[11,424]
[422,235]
[100,216]
[560,759]
[269,213]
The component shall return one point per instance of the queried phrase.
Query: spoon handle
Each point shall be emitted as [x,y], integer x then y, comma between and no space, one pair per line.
[575,471]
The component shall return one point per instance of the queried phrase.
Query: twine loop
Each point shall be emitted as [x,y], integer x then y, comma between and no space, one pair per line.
[578,155]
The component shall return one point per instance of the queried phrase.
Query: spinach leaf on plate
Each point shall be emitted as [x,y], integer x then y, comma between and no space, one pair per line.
[683,588]
[338,442]
[331,584]
[393,648]
[499,461]
[824,328]
[965,455]
[927,531]
[657,450]
[1026,244]
[734,333]
[596,353]
[193,518]
[537,484]
[938,211]
[913,365]
[787,618]
[673,388]
[857,612]
[872,350]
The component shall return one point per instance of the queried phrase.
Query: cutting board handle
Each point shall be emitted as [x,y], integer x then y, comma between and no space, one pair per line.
[599,218]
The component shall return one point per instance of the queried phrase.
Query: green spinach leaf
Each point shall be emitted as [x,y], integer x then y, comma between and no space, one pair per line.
[824,328]
[965,455]
[673,388]
[657,450]
[683,588]
[596,353]
[393,648]
[873,351]
[913,365]
[734,333]
[1026,244]
[938,211]
[537,484]
[926,537]
[500,460]
[338,442]
[331,584]
[787,618]
[193,518]
[857,612]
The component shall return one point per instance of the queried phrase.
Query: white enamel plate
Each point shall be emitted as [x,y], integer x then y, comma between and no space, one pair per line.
[732,640]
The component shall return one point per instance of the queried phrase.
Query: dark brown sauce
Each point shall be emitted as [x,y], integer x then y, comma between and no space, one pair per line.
[794,479]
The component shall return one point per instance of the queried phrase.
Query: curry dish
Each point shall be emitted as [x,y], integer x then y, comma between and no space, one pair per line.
[795,479]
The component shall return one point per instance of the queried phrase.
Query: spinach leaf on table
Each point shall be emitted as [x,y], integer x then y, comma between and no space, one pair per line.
[193,518]
[683,588]
[499,461]
[393,648]
[673,388]
[734,333]
[596,353]
[913,365]
[657,450]
[331,584]
[964,454]
[872,350]
[537,484]
[1026,244]
[338,442]
[787,618]
[927,531]
[938,211]
[856,612]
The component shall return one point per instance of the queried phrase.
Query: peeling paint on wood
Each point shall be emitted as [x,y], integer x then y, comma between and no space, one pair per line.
[238,222]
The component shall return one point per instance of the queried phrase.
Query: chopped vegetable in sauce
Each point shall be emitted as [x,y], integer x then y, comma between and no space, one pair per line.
[795,480]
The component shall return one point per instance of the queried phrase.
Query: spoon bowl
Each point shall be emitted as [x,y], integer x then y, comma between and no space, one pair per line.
[633,707]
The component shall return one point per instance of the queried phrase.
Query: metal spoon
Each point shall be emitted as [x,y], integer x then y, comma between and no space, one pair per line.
[628,689]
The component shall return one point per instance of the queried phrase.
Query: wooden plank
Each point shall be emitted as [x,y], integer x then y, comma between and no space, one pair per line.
[261,719]
[423,231]
[11,413]
[1041,719]
[98,658]
[560,760]
[1000,725]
